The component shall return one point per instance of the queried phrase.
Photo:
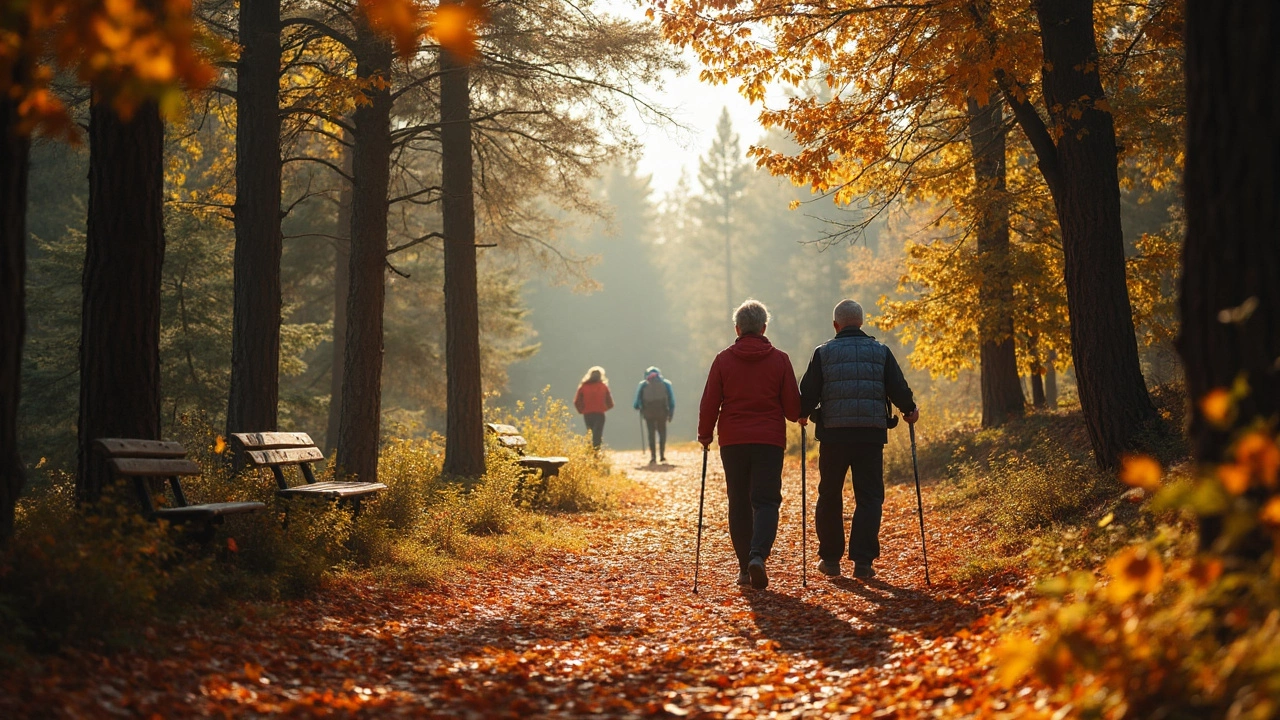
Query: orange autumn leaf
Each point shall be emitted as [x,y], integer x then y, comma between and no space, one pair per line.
[219,445]
[1141,471]
[232,546]
[1218,407]
[1133,571]
[402,20]
[1234,478]
[1258,452]
[1270,513]
[454,28]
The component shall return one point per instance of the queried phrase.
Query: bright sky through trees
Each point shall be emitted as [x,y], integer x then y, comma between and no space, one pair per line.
[669,151]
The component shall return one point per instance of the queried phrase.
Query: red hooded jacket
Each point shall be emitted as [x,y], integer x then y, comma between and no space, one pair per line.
[593,397]
[751,392]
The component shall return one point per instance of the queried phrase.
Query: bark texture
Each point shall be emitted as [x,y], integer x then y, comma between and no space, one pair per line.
[14,164]
[1231,259]
[1082,175]
[360,424]
[255,334]
[1001,387]
[464,437]
[341,289]
[120,322]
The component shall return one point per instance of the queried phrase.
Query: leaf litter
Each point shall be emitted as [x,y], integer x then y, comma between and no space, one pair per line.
[611,631]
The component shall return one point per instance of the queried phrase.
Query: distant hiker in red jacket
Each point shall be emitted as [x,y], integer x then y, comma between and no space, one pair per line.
[593,400]
[751,392]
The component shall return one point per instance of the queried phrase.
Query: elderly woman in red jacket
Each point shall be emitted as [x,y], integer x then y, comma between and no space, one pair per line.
[751,392]
[593,400]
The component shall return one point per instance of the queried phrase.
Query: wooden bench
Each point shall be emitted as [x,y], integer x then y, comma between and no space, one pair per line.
[510,438]
[276,450]
[145,460]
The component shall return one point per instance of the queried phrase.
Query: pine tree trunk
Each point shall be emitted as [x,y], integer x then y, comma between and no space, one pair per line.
[341,289]
[1086,192]
[1037,385]
[255,329]
[1001,389]
[1051,381]
[464,438]
[120,320]
[361,421]
[1231,257]
[14,164]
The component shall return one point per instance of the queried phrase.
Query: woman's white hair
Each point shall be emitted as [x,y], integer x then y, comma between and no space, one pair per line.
[751,316]
[848,313]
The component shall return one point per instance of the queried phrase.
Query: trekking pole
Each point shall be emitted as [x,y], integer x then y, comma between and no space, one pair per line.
[640,419]
[804,513]
[702,494]
[915,467]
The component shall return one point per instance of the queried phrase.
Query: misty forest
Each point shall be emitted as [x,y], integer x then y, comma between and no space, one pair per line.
[630,358]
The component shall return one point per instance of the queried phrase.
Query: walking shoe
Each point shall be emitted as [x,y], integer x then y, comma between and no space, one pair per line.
[664,460]
[759,578]
[744,577]
[830,569]
[652,461]
[863,570]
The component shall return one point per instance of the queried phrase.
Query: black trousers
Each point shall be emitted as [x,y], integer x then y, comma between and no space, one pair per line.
[657,426]
[866,462]
[753,476]
[595,423]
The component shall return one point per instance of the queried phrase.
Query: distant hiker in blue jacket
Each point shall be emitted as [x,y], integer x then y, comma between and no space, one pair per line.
[657,405]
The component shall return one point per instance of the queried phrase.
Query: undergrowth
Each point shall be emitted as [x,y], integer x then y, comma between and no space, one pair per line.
[99,576]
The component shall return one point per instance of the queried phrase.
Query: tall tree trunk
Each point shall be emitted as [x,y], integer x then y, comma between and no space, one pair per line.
[1001,389]
[361,421]
[341,289]
[1037,385]
[120,319]
[1231,257]
[14,163]
[1082,175]
[255,327]
[1051,381]
[464,438]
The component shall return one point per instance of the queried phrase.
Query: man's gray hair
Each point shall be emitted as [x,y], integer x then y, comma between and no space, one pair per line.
[848,313]
[751,316]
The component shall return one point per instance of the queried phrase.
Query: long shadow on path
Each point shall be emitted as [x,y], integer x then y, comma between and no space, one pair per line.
[814,631]
[886,605]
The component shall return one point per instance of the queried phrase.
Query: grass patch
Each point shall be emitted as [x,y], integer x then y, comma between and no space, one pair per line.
[98,577]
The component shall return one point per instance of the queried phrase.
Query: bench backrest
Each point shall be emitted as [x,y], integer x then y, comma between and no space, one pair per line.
[144,459]
[277,449]
[508,436]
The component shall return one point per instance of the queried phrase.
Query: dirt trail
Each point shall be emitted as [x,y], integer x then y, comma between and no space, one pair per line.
[612,631]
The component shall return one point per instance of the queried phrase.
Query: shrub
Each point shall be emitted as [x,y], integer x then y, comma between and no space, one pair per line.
[586,482]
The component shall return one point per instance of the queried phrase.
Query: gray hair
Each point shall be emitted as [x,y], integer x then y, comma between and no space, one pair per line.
[848,313]
[751,316]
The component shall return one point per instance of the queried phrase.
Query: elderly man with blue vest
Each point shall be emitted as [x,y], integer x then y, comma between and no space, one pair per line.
[849,383]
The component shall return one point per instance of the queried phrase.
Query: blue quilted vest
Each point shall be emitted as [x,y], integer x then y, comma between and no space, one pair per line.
[853,393]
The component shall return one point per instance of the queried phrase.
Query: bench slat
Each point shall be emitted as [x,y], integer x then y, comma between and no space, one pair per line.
[154,467]
[132,448]
[208,511]
[335,489]
[291,456]
[502,429]
[533,460]
[272,440]
[512,441]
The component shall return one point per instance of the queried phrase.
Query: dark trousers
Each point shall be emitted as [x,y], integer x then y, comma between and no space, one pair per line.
[866,462]
[657,426]
[753,476]
[595,423]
